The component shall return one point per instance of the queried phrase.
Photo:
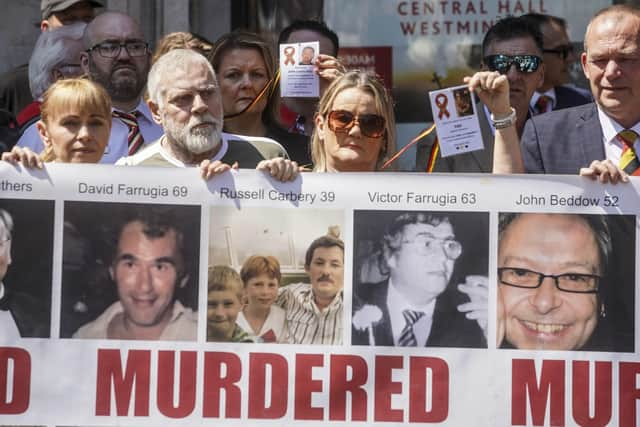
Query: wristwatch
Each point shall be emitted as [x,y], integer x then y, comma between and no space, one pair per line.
[504,122]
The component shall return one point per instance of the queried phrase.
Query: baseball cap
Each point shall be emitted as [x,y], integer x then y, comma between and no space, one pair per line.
[47,7]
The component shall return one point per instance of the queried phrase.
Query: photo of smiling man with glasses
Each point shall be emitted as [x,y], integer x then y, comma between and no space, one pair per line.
[424,257]
[554,281]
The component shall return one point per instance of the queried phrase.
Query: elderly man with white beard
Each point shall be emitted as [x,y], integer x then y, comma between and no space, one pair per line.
[184,98]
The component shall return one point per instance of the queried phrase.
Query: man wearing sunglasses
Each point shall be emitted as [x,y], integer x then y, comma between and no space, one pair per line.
[117,57]
[551,283]
[513,47]
[596,139]
[558,56]
[415,306]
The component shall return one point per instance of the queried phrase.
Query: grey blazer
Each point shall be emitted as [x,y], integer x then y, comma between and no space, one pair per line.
[562,141]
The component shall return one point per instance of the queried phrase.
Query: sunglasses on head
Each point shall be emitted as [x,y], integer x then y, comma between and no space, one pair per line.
[523,63]
[371,125]
[563,51]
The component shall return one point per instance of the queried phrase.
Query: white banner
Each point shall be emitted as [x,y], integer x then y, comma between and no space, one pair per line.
[548,264]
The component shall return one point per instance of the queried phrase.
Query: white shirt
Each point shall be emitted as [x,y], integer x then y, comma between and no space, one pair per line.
[610,128]
[156,155]
[396,304]
[118,145]
[276,322]
[10,332]
[551,94]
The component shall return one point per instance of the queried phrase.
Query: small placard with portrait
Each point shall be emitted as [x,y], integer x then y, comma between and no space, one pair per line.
[298,76]
[456,120]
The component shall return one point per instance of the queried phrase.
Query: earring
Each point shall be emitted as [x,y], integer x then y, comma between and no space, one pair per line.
[603,311]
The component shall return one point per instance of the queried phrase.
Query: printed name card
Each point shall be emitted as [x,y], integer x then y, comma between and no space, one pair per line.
[456,119]
[298,78]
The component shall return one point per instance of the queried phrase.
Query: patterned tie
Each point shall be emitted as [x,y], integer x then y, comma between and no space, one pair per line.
[542,103]
[134,137]
[407,338]
[629,160]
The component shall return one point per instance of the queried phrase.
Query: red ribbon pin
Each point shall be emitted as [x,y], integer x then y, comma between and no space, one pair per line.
[441,103]
[289,51]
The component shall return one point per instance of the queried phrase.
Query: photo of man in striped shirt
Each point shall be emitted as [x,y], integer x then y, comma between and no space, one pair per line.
[314,311]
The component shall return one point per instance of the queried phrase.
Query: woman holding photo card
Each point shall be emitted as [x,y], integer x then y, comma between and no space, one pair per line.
[245,67]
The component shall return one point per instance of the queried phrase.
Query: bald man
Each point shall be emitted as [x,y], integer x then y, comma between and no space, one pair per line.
[118,57]
[564,141]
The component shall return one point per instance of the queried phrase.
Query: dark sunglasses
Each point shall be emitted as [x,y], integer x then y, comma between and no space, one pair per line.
[523,63]
[563,51]
[371,125]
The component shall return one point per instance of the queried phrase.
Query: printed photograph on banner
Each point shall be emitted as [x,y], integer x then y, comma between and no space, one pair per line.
[130,271]
[275,276]
[566,282]
[26,268]
[420,278]
[456,119]
[297,75]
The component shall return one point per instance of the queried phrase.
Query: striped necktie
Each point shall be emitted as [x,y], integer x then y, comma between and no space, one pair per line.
[134,137]
[629,159]
[407,338]
[542,104]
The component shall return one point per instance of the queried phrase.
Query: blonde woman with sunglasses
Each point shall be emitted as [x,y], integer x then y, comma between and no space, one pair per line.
[355,125]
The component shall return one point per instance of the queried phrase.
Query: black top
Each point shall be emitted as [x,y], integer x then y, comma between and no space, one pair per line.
[297,145]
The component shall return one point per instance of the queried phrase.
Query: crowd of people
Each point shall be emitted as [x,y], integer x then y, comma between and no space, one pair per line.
[99,94]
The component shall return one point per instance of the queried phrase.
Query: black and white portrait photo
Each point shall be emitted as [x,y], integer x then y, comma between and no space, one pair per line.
[420,278]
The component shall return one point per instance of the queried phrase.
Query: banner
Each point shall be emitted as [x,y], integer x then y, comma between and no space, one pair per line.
[453,299]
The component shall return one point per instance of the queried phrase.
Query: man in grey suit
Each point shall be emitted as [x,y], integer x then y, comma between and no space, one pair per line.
[513,46]
[588,136]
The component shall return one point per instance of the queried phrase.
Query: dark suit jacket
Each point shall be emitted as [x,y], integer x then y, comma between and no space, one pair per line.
[473,162]
[450,328]
[31,318]
[562,141]
[567,97]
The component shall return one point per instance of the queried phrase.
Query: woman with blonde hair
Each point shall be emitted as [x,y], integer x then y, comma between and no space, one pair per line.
[75,125]
[355,125]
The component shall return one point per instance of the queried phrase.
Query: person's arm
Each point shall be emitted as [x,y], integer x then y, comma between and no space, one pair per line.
[604,171]
[477,289]
[280,168]
[328,67]
[209,169]
[23,156]
[493,90]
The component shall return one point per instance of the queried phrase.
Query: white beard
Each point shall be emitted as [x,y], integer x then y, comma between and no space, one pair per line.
[196,140]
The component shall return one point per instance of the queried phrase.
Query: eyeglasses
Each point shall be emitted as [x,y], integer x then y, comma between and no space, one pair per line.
[112,49]
[428,243]
[371,125]
[563,51]
[502,63]
[569,282]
